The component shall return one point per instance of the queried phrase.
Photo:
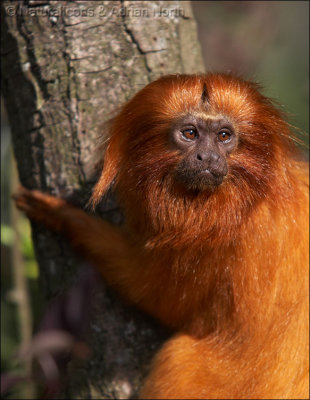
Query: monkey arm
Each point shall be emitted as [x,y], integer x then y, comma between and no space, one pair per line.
[100,242]
[138,278]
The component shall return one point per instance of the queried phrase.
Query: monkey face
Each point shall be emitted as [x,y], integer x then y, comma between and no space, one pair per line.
[209,133]
[204,143]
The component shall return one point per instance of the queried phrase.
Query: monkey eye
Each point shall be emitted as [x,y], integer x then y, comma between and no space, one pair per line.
[190,134]
[224,136]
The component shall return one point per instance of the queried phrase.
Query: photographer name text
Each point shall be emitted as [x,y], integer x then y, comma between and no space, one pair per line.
[100,11]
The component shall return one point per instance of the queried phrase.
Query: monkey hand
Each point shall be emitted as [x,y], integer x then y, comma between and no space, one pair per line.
[92,237]
[40,207]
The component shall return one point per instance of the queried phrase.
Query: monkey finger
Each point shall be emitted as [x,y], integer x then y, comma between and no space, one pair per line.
[26,205]
[37,198]
[38,206]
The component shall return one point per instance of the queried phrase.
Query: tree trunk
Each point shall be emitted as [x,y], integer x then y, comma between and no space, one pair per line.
[67,67]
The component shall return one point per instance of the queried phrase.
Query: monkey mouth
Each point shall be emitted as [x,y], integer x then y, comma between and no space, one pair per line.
[199,179]
[211,178]
[208,172]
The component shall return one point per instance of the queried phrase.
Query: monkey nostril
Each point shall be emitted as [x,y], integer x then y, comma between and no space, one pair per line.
[199,157]
[214,156]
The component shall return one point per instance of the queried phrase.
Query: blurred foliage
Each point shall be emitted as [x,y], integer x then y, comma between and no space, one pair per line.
[8,237]
[265,41]
[10,328]
[16,238]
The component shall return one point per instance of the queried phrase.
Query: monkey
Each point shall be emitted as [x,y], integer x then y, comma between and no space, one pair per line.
[215,239]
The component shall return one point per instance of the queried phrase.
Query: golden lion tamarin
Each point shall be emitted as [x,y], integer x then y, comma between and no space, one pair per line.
[215,239]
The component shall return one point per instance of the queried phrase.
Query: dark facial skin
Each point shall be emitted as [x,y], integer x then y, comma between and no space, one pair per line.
[205,144]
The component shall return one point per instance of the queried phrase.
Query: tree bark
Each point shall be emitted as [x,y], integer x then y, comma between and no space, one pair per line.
[67,67]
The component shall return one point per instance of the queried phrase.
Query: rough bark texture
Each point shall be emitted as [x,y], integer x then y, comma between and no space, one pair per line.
[67,67]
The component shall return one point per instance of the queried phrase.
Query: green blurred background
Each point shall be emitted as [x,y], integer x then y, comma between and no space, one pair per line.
[266,41]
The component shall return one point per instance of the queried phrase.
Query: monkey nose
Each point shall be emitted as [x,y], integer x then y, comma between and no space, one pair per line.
[209,157]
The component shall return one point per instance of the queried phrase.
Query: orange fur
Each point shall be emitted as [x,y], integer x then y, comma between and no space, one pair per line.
[227,269]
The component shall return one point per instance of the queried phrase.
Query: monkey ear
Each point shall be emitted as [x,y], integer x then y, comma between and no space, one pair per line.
[109,172]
